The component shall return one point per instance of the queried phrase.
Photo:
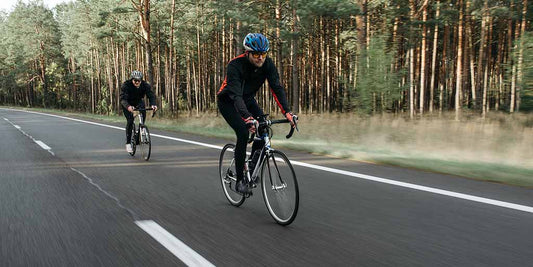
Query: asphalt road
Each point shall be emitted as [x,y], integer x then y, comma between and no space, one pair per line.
[70,195]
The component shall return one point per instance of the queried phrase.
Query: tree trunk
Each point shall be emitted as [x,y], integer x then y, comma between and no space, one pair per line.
[471,55]
[411,63]
[521,54]
[513,68]
[42,64]
[188,82]
[109,74]
[295,92]
[459,67]
[481,58]
[279,46]
[143,9]
[434,60]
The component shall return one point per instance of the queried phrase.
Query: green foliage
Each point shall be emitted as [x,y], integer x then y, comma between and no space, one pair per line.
[86,44]
[377,86]
[103,107]
[329,8]
[30,45]
[527,68]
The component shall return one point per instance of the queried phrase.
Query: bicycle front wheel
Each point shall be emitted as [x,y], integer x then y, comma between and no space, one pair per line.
[280,187]
[133,141]
[145,143]
[228,177]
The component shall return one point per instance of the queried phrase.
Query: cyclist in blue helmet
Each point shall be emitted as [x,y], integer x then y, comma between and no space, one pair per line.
[245,75]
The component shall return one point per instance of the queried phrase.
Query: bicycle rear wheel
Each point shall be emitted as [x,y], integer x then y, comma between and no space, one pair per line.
[228,177]
[133,141]
[145,143]
[280,187]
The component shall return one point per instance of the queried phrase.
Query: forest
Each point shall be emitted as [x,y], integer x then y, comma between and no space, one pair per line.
[410,57]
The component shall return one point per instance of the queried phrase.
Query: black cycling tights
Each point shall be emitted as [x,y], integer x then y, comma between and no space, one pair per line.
[129,121]
[234,119]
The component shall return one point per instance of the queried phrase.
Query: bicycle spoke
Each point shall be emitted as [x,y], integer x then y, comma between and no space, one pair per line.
[277,169]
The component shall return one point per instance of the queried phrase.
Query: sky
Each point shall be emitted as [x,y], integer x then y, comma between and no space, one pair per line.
[8,5]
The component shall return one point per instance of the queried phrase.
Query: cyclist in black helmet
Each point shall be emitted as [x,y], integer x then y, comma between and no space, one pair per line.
[132,93]
[236,98]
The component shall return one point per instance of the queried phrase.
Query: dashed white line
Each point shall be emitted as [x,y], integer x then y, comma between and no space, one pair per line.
[43,145]
[40,143]
[174,245]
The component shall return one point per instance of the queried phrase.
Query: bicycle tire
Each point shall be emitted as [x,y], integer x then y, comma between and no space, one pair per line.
[226,170]
[145,143]
[133,141]
[280,187]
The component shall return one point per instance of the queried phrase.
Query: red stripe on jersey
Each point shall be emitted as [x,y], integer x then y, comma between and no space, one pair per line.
[277,101]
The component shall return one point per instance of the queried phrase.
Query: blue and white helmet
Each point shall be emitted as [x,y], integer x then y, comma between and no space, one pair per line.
[256,42]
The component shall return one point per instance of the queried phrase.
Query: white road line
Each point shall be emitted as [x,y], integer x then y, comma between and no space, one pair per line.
[419,187]
[347,173]
[40,143]
[174,245]
[43,145]
[187,141]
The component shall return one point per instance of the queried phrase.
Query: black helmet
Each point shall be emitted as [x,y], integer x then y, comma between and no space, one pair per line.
[136,75]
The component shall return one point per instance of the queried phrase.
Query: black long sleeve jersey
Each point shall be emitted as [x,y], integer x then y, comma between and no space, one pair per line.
[132,96]
[243,80]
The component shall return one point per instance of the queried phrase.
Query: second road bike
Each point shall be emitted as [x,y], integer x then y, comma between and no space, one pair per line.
[140,135]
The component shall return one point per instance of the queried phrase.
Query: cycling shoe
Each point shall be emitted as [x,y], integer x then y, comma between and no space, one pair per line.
[242,187]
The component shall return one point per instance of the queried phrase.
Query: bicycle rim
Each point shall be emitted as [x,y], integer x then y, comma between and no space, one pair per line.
[280,188]
[145,143]
[226,170]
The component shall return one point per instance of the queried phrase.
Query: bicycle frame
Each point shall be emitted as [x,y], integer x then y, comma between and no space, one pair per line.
[264,130]
[140,116]
[265,151]
[138,113]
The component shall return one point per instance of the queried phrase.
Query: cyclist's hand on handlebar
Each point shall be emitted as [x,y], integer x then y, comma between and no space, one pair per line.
[130,109]
[291,117]
[251,123]
[154,107]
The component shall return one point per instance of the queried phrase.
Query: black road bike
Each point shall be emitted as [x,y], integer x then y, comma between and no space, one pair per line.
[140,135]
[273,171]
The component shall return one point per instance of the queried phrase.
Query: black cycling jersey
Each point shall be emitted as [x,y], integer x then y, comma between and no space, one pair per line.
[243,80]
[132,96]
